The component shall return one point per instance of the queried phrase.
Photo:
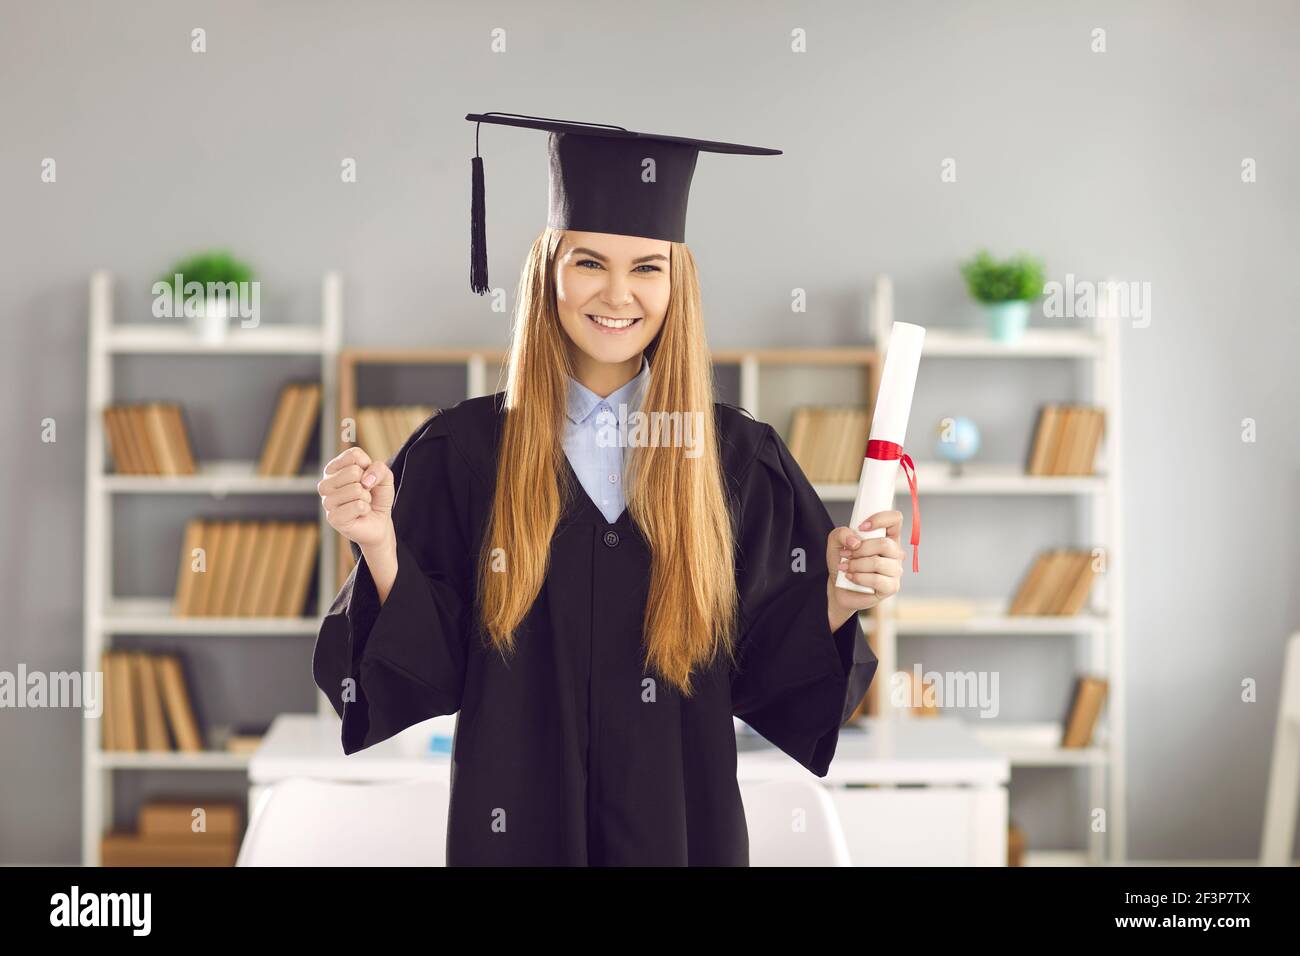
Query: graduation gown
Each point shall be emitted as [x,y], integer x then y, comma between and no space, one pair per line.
[569,753]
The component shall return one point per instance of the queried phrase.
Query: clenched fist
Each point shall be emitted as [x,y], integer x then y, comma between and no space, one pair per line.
[357,495]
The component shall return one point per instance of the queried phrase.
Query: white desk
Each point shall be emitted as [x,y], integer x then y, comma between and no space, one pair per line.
[909,791]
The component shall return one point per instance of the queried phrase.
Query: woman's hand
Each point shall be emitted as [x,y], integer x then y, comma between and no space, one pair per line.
[874,562]
[357,495]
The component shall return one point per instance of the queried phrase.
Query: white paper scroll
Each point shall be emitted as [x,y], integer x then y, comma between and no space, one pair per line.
[893,406]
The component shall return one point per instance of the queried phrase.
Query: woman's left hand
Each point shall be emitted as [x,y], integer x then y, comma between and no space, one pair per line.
[874,562]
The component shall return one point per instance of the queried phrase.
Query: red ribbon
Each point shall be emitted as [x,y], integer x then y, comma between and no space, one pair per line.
[889,451]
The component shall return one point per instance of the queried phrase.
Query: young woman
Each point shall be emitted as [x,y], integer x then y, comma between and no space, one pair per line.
[598,642]
[598,602]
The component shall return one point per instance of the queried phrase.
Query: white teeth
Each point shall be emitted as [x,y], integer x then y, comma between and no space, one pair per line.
[610,323]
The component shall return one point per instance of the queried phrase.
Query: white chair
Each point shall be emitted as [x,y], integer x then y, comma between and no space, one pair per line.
[1284,774]
[793,823]
[303,822]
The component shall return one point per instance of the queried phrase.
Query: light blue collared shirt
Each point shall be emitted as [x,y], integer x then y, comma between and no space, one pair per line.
[599,462]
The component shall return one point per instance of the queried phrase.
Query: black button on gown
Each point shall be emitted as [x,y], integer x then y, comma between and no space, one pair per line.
[570,754]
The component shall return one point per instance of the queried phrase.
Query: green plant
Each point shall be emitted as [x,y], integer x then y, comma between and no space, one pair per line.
[990,281]
[218,266]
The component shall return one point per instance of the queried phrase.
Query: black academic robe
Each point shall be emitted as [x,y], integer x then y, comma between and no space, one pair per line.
[570,754]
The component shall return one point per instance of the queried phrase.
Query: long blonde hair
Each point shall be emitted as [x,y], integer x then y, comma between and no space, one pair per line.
[678,503]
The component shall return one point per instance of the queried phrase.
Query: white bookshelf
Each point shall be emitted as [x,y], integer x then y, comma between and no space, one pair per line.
[1097,522]
[108,615]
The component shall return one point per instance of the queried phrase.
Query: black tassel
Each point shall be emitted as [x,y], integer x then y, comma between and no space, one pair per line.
[478,270]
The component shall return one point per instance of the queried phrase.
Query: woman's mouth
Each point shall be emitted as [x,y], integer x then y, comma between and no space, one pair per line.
[612,325]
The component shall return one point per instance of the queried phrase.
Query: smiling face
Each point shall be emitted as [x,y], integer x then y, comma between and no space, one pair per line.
[612,295]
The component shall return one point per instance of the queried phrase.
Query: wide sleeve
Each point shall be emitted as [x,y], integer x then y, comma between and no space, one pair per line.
[387,667]
[796,682]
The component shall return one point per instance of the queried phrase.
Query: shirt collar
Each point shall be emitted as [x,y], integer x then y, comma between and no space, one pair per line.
[583,400]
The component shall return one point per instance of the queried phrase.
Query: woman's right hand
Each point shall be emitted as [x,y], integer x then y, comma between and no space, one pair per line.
[357,495]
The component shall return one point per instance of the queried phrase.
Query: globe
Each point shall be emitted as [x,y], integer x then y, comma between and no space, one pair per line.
[957,440]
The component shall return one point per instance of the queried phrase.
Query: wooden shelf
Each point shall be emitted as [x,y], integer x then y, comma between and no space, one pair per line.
[933,478]
[154,616]
[990,617]
[1036,343]
[1056,858]
[166,338]
[1035,744]
[169,760]
[216,478]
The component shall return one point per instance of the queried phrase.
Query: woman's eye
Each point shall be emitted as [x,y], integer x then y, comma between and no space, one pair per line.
[593,262]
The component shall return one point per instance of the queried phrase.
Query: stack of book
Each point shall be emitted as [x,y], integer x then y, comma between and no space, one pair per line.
[381,429]
[829,442]
[146,703]
[1066,440]
[1057,584]
[296,414]
[176,832]
[245,568]
[148,438]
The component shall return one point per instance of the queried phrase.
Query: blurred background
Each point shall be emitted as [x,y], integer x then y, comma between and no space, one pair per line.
[323,146]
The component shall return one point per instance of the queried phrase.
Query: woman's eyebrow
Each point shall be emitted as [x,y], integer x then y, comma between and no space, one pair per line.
[596,255]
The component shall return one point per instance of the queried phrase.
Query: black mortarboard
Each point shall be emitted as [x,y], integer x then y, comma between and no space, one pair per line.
[598,184]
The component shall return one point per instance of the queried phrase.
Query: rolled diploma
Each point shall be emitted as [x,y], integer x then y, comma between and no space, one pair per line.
[893,405]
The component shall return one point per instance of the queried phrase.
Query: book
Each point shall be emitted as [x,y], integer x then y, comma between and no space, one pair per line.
[930,609]
[108,720]
[287,437]
[213,534]
[253,568]
[306,413]
[147,706]
[120,848]
[829,442]
[282,541]
[125,702]
[148,438]
[293,592]
[1042,451]
[186,576]
[250,538]
[1057,583]
[381,429]
[1066,439]
[1015,845]
[175,818]
[275,433]
[119,443]
[1085,708]
[258,563]
[224,568]
[151,708]
[177,705]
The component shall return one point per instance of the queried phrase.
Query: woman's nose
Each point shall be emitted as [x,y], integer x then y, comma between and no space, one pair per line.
[616,292]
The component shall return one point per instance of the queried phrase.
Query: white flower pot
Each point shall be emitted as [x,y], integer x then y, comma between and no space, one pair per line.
[213,321]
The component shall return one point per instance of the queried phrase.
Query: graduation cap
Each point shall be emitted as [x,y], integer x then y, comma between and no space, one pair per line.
[599,181]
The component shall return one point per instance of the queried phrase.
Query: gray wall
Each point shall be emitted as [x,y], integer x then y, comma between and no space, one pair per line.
[1125,162]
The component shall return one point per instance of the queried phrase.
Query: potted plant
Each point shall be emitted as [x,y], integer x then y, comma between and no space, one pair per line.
[1006,289]
[217,273]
